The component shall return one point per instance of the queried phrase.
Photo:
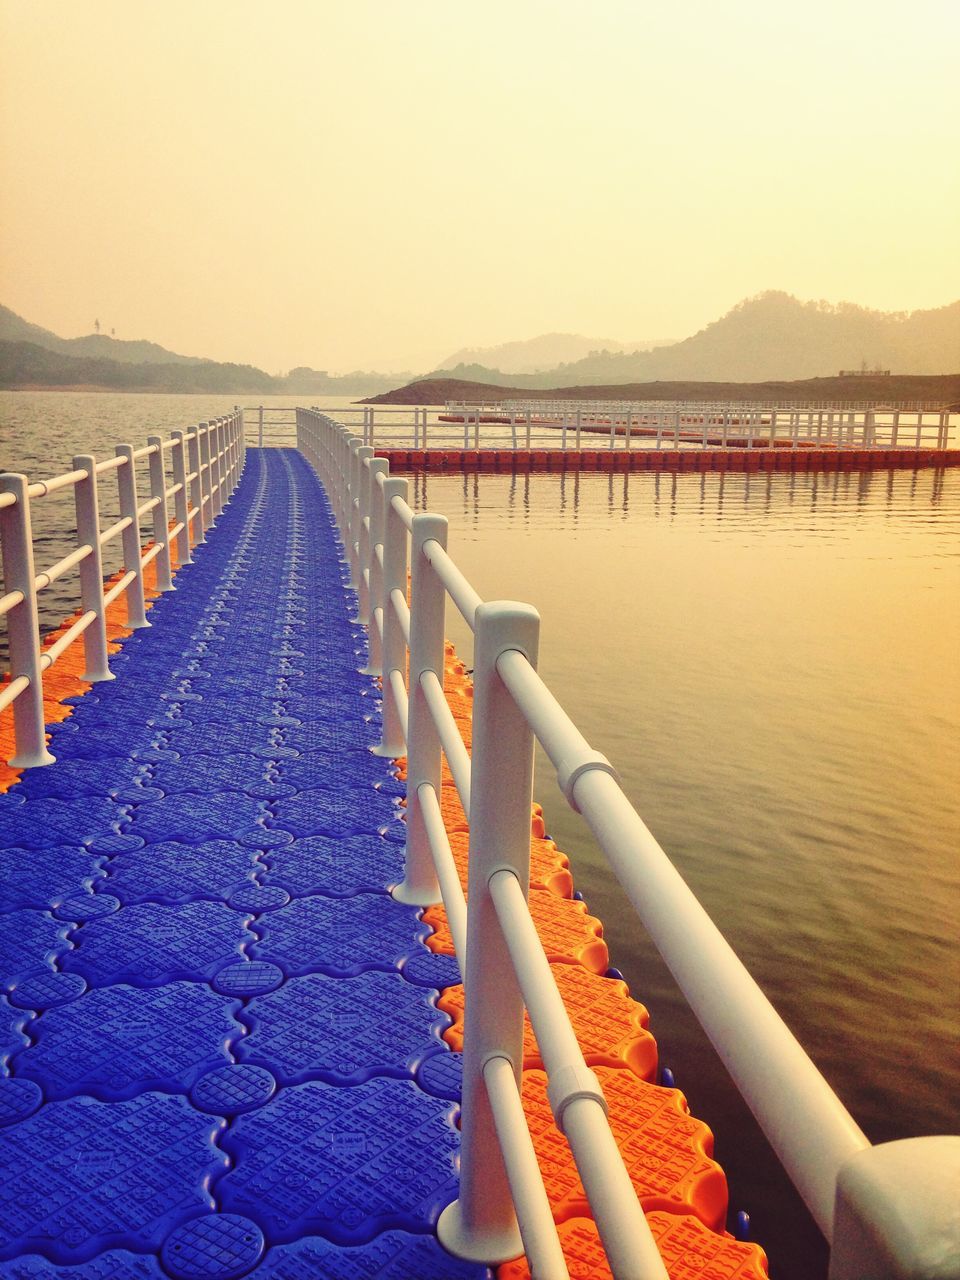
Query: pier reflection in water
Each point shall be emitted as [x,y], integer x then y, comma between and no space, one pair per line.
[771,661]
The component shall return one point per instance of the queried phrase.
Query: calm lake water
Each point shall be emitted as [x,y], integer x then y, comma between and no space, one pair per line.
[772,664]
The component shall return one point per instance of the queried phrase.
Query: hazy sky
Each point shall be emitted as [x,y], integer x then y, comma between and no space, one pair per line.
[374,183]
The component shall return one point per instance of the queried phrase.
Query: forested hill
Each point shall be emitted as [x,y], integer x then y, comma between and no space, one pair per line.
[94,346]
[25,365]
[770,337]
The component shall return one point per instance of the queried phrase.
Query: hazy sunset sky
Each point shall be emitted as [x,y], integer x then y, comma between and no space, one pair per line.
[374,184]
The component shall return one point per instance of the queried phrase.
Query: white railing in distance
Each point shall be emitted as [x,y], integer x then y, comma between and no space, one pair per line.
[28,661]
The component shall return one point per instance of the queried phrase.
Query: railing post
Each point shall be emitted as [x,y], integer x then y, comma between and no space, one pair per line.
[129,502]
[23,626]
[261,426]
[428,603]
[216,484]
[394,655]
[206,474]
[358,456]
[196,484]
[371,534]
[161,523]
[91,571]
[481,1223]
[896,1214]
[869,429]
[180,502]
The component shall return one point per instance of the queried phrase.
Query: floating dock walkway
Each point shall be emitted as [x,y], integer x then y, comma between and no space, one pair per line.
[228,1045]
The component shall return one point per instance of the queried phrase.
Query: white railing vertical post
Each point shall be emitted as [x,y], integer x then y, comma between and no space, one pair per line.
[358,458]
[372,535]
[217,485]
[23,625]
[394,656]
[481,1223]
[91,571]
[869,429]
[261,426]
[180,502]
[428,603]
[161,523]
[196,484]
[579,427]
[129,502]
[236,460]
[203,447]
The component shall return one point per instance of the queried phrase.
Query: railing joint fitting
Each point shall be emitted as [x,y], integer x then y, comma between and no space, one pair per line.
[569,1084]
[569,771]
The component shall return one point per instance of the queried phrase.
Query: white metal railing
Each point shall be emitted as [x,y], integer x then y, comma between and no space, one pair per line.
[205,464]
[886,1210]
[599,425]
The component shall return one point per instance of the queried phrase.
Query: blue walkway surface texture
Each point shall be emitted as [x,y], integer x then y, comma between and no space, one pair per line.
[213,1061]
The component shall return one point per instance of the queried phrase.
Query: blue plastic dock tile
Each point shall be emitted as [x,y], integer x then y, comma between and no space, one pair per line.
[442,1075]
[395,1255]
[18,1100]
[174,872]
[339,936]
[431,969]
[12,1039]
[151,943]
[32,878]
[44,989]
[233,772]
[338,868]
[118,1264]
[318,735]
[45,822]
[254,899]
[83,907]
[29,940]
[193,819]
[323,812]
[344,1163]
[232,1090]
[120,1041]
[343,1030]
[351,770]
[102,743]
[84,1176]
[220,1246]
[69,779]
[248,978]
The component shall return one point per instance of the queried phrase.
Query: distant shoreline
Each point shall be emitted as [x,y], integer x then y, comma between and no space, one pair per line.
[940,390]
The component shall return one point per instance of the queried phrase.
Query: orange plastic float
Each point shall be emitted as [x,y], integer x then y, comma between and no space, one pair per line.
[569,935]
[690,1251]
[610,1026]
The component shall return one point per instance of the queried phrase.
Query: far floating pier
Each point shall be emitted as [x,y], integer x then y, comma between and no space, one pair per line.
[295,984]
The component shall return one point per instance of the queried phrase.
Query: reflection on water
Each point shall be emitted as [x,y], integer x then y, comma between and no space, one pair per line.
[771,663]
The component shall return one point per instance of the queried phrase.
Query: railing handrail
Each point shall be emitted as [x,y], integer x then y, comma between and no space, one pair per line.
[814,1135]
[215,477]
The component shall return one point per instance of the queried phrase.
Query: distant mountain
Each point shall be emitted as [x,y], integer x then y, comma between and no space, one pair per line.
[97,346]
[26,364]
[772,337]
[534,355]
